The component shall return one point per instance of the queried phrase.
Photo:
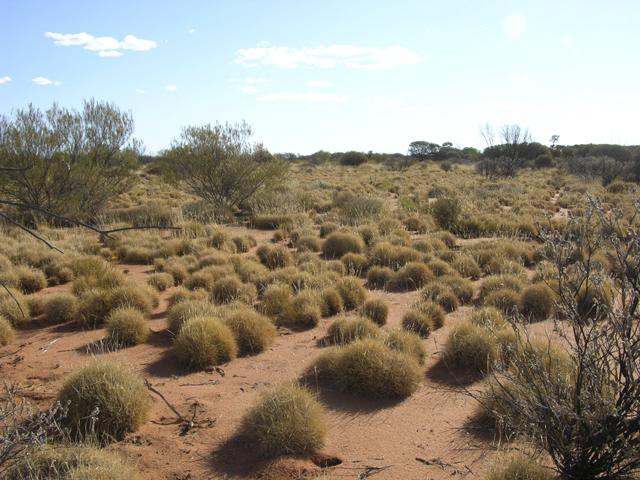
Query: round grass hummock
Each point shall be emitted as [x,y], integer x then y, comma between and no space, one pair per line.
[352,292]
[286,420]
[161,281]
[7,333]
[127,326]
[406,342]
[204,342]
[183,311]
[60,307]
[30,280]
[117,394]
[253,332]
[369,368]
[62,462]
[519,467]
[339,243]
[470,347]
[537,302]
[345,330]
[424,318]
[376,310]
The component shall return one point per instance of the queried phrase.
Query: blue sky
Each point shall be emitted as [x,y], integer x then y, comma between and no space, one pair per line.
[334,75]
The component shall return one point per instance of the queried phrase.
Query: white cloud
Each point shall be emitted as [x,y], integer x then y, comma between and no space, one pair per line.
[171,88]
[255,80]
[105,46]
[5,80]
[330,56]
[301,97]
[45,81]
[248,89]
[317,84]
[568,40]
[191,31]
[514,25]
[140,91]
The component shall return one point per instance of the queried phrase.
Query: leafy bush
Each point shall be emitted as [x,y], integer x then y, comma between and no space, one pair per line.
[353,158]
[127,326]
[204,342]
[376,310]
[345,330]
[252,331]
[118,394]
[339,243]
[367,368]
[286,420]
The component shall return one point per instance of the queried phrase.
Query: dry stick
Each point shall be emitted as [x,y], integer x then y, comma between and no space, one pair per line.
[14,299]
[181,417]
[30,232]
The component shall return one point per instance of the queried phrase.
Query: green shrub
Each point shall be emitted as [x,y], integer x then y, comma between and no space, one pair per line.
[376,310]
[30,280]
[406,342]
[411,276]
[60,307]
[252,331]
[339,243]
[537,302]
[204,342]
[352,292]
[127,326]
[7,333]
[470,347]
[183,311]
[519,467]
[367,368]
[62,462]
[274,256]
[345,330]
[118,394]
[378,277]
[161,281]
[285,420]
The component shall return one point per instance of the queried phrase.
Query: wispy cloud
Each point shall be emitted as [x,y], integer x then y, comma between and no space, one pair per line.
[105,46]
[171,88]
[140,91]
[317,84]
[45,81]
[514,25]
[301,97]
[248,89]
[191,31]
[5,79]
[330,56]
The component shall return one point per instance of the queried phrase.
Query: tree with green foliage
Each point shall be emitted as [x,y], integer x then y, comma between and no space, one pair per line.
[64,161]
[423,150]
[221,165]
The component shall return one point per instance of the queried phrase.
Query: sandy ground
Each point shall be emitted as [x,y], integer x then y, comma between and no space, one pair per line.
[422,437]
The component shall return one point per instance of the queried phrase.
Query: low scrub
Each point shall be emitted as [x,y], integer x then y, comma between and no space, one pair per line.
[7,333]
[471,348]
[253,332]
[345,330]
[406,342]
[339,243]
[204,342]
[352,292]
[376,310]
[60,307]
[127,326]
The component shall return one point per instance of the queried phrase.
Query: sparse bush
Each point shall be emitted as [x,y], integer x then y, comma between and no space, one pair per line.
[470,347]
[339,243]
[253,332]
[186,310]
[376,310]
[352,292]
[7,333]
[537,302]
[204,342]
[368,368]
[161,281]
[127,326]
[286,420]
[378,277]
[345,330]
[406,342]
[60,307]
[118,395]
[61,462]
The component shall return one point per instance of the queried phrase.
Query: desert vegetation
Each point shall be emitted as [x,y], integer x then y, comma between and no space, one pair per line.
[201,299]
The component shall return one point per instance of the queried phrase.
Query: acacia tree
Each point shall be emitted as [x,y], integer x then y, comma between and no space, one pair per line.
[505,158]
[64,161]
[584,411]
[220,164]
[423,150]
